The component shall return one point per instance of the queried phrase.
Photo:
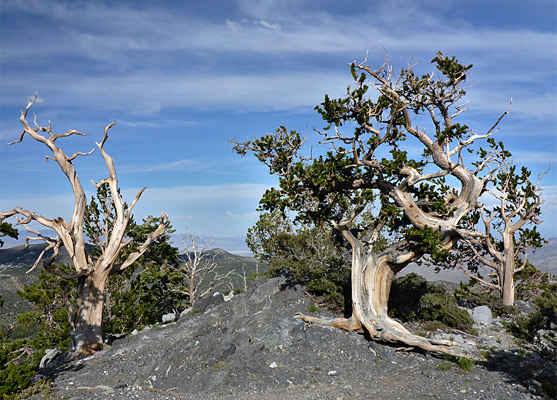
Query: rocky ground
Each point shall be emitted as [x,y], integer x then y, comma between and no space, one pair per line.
[251,347]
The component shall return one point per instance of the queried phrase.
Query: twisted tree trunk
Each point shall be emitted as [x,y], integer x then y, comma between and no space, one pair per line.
[372,275]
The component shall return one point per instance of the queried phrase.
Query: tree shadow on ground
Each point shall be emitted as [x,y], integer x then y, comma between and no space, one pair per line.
[59,365]
[536,374]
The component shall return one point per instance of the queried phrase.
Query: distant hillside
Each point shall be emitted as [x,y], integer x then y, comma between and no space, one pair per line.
[16,261]
[22,256]
[545,259]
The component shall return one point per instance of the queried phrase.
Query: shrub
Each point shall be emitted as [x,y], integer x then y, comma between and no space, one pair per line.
[439,305]
[414,298]
[18,363]
[406,293]
[545,317]
[312,257]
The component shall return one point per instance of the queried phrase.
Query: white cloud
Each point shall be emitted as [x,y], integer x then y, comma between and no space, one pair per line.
[268,25]
[118,47]
[139,62]
[206,209]
[148,93]
[217,210]
[234,26]
[524,157]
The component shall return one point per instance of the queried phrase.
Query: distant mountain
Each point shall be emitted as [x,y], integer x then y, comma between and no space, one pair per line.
[16,261]
[545,259]
[25,256]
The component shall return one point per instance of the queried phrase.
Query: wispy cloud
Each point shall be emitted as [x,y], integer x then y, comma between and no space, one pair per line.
[212,209]
[525,157]
[161,67]
[121,45]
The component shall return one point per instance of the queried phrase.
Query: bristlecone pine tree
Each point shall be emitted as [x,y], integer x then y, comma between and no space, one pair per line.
[368,185]
[509,226]
[92,275]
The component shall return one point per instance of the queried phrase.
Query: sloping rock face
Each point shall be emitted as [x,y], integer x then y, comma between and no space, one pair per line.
[251,347]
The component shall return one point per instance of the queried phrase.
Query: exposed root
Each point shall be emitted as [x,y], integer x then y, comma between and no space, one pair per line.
[87,350]
[388,330]
[346,324]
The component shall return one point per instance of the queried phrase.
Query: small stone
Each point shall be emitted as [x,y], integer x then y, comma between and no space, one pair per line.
[332,373]
[186,311]
[170,317]
[462,390]
[273,365]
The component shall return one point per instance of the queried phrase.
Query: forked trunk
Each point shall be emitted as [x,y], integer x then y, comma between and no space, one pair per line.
[87,333]
[372,276]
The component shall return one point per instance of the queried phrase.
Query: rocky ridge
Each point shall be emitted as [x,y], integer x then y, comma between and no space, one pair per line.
[251,347]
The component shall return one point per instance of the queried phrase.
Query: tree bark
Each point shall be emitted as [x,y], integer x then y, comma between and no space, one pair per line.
[506,281]
[372,275]
[87,332]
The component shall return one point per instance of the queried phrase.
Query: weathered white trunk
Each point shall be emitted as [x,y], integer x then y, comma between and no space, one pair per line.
[372,276]
[87,332]
[506,280]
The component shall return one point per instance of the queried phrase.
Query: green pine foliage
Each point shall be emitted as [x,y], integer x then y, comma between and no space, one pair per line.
[143,292]
[46,327]
[19,361]
[7,229]
[309,254]
[140,294]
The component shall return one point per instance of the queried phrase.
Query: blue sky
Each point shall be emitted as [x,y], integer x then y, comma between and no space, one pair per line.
[181,77]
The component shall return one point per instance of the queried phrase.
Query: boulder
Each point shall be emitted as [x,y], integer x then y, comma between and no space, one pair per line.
[546,341]
[525,307]
[482,316]
[170,317]
[208,302]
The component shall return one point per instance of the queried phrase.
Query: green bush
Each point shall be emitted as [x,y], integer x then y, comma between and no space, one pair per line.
[413,298]
[312,257]
[406,292]
[439,305]
[19,361]
[545,317]
[466,364]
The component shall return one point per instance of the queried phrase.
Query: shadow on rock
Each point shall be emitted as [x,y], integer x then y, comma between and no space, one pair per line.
[536,374]
[62,363]
[289,282]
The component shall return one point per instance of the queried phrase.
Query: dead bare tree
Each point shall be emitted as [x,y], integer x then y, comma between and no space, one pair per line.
[92,275]
[201,275]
